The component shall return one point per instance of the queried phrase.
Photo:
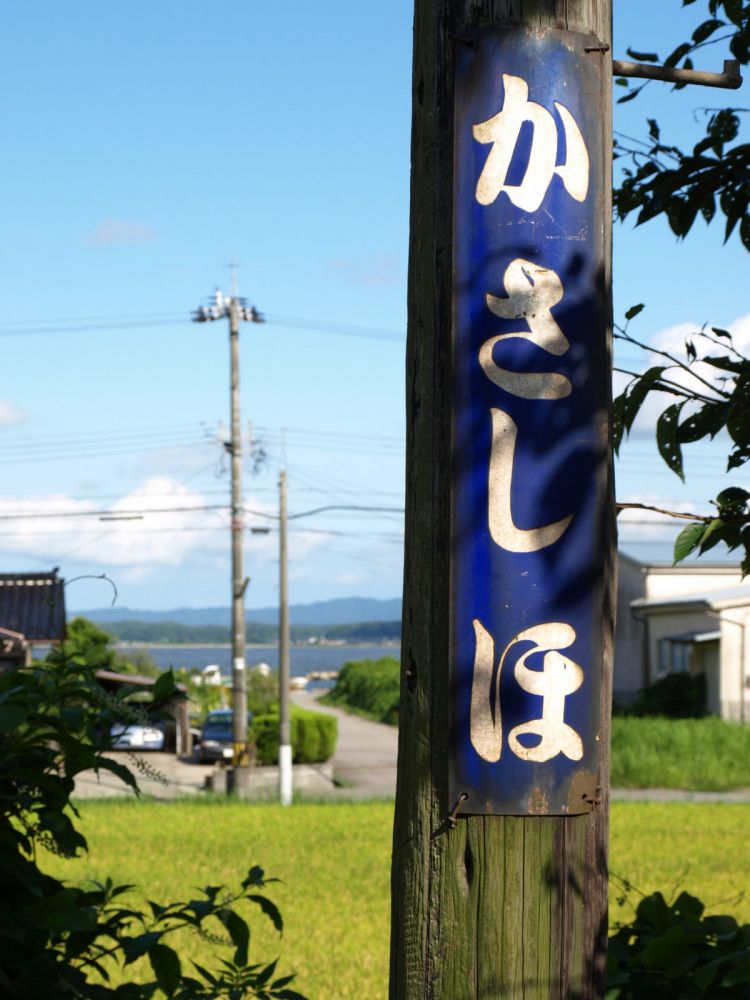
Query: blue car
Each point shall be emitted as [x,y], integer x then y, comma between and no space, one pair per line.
[216,743]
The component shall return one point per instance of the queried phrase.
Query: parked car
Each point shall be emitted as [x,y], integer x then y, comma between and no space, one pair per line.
[136,737]
[216,736]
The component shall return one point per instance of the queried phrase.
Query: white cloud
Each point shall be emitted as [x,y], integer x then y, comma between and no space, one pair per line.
[151,532]
[121,232]
[672,340]
[10,414]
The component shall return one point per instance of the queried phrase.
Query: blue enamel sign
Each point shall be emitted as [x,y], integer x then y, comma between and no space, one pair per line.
[530,403]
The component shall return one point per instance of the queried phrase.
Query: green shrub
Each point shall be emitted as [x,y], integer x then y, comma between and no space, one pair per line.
[674,951]
[676,696]
[262,691]
[372,687]
[56,938]
[314,736]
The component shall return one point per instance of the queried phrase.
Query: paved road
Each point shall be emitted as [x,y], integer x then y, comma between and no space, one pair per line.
[365,758]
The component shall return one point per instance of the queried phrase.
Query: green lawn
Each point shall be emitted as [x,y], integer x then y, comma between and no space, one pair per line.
[707,754]
[334,860]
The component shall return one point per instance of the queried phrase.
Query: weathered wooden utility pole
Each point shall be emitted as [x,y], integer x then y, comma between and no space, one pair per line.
[500,840]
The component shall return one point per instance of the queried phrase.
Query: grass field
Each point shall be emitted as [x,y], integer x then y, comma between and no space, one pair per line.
[707,754]
[334,860]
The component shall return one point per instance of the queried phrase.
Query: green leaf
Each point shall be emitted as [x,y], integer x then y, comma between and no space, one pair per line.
[210,979]
[12,716]
[706,974]
[674,57]
[721,333]
[705,30]
[715,531]
[708,420]
[255,878]
[135,948]
[636,393]
[618,427]
[239,932]
[643,56]
[166,966]
[123,773]
[164,687]
[667,439]
[270,909]
[278,984]
[732,495]
[62,912]
[634,310]
[688,540]
[733,10]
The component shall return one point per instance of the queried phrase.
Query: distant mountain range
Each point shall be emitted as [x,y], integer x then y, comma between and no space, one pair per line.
[340,611]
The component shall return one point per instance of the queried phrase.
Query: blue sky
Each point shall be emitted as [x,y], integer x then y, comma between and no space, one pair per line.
[148,144]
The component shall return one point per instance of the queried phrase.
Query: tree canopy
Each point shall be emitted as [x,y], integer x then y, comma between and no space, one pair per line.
[708,389]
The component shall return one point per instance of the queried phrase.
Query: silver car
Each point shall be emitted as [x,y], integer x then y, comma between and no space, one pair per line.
[136,737]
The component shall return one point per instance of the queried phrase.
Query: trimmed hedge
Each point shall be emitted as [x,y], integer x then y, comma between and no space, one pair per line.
[371,687]
[676,696]
[314,736]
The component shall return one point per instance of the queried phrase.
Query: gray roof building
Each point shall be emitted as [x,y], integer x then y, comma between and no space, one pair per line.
[33,604]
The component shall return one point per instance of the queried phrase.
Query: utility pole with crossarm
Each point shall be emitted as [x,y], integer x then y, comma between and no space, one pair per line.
[235,309]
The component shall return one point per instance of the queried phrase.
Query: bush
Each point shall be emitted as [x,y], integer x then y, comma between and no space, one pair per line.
[372,687]
[674,951]
[676,696]
[313,734]
[262,691]
[56,939]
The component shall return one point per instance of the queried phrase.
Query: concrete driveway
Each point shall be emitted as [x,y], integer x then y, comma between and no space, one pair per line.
[160,775]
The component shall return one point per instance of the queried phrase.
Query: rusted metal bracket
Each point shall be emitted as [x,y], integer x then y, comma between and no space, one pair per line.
[453,818]
[730,79]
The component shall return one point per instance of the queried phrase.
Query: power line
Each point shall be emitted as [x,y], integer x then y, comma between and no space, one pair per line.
[95,324]
[53,515]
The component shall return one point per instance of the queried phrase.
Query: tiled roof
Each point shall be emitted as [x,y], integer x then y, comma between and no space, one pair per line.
[33,604]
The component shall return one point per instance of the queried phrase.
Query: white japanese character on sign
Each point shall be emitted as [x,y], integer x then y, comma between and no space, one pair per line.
[503,131]
[503,529]
[532,292]
[558,678]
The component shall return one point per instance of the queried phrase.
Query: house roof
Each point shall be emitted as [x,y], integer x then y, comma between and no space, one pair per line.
[697,568]
[728,597]
[34,605]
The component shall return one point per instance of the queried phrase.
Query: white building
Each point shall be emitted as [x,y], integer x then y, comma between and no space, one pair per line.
[690,617]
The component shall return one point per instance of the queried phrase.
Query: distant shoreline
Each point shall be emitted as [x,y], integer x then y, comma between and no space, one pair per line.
[141,644]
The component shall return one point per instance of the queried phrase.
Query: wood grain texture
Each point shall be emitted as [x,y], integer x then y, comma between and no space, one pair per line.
[499,906]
